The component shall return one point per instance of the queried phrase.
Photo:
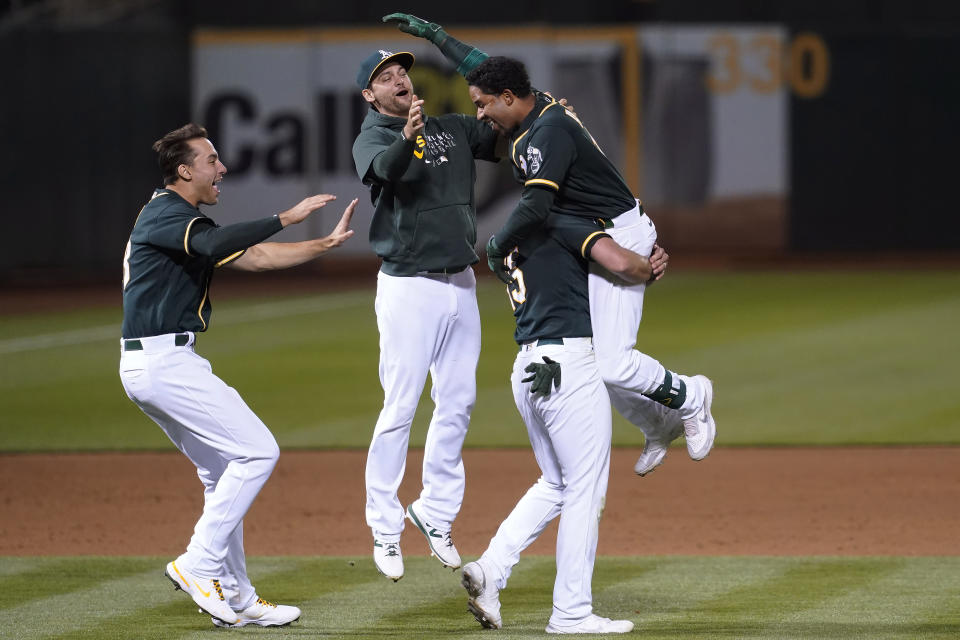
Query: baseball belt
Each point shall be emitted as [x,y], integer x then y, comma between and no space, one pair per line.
[180,340]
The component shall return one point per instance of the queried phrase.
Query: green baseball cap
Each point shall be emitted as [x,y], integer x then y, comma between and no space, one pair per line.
[378,59]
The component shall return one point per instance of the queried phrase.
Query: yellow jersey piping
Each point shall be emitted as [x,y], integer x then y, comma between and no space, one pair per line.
[549,183]
[230,258]
[583,247]
[186,237]
[513,149]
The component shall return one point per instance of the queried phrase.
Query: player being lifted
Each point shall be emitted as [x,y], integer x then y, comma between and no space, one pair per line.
[167,268]
[565,173]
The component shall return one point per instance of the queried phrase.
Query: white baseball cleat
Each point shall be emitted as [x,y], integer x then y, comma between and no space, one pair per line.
[206,592]
[593,624]
[655,450]
[700,428]
[388,559]
[264,614]
[484,600]
[441,545]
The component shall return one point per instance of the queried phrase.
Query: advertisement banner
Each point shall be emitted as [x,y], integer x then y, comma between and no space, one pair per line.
[687,114]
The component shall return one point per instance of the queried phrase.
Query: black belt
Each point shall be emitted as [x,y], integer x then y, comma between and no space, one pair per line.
[544,341]
[180,340]
[447,271]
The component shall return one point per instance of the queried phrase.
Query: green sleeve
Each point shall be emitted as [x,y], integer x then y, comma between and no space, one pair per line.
[530,213]
[368,145]
[390,165]
[207,239]
[466,57]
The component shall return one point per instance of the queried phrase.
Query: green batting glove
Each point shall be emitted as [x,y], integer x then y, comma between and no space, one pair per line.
[417,27]
[545,376]
[496,262]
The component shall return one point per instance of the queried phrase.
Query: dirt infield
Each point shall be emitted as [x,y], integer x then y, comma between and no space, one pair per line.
[777,501]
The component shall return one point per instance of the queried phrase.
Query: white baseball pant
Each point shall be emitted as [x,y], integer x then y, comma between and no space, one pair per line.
[616,308]
[428,323]
[570,433]
[231,447]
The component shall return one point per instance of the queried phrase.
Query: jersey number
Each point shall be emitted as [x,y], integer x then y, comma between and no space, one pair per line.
[517,290]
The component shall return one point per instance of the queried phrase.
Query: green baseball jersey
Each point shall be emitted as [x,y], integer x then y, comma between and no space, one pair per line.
[549,289]
[165,285]
[552,149]
[426,219]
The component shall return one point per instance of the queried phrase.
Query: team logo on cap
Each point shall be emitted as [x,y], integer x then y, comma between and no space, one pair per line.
[385,54]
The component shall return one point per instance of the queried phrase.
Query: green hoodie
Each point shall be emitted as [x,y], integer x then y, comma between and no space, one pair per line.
[424,218]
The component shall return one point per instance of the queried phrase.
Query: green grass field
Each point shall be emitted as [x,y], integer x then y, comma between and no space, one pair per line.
[666,597]
[814,358]
[796,358]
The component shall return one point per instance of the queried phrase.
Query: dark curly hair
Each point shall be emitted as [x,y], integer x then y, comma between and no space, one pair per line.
[174,150]
[495,74]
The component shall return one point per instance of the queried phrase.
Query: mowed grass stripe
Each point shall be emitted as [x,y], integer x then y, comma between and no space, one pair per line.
[23,580]
[423,601]
[145,605]
[834,373]
[801,585]
[917,598]
[664,596]
[231,315]
[667,597]
[89,607]
[283,580]
[803,358]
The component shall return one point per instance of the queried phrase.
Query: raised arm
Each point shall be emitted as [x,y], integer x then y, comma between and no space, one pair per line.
[391,164]
[464,56]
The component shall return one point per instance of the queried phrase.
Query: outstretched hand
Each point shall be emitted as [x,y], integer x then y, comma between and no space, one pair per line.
[342,232]
[300,211]
[419,27]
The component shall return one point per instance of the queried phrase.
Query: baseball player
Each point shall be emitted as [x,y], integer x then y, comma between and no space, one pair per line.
[421,173]
[167,268]
[641,389]
[565,406]
[566,174]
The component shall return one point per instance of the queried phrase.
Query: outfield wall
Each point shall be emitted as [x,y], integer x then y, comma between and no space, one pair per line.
[665,103]
[740,137]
